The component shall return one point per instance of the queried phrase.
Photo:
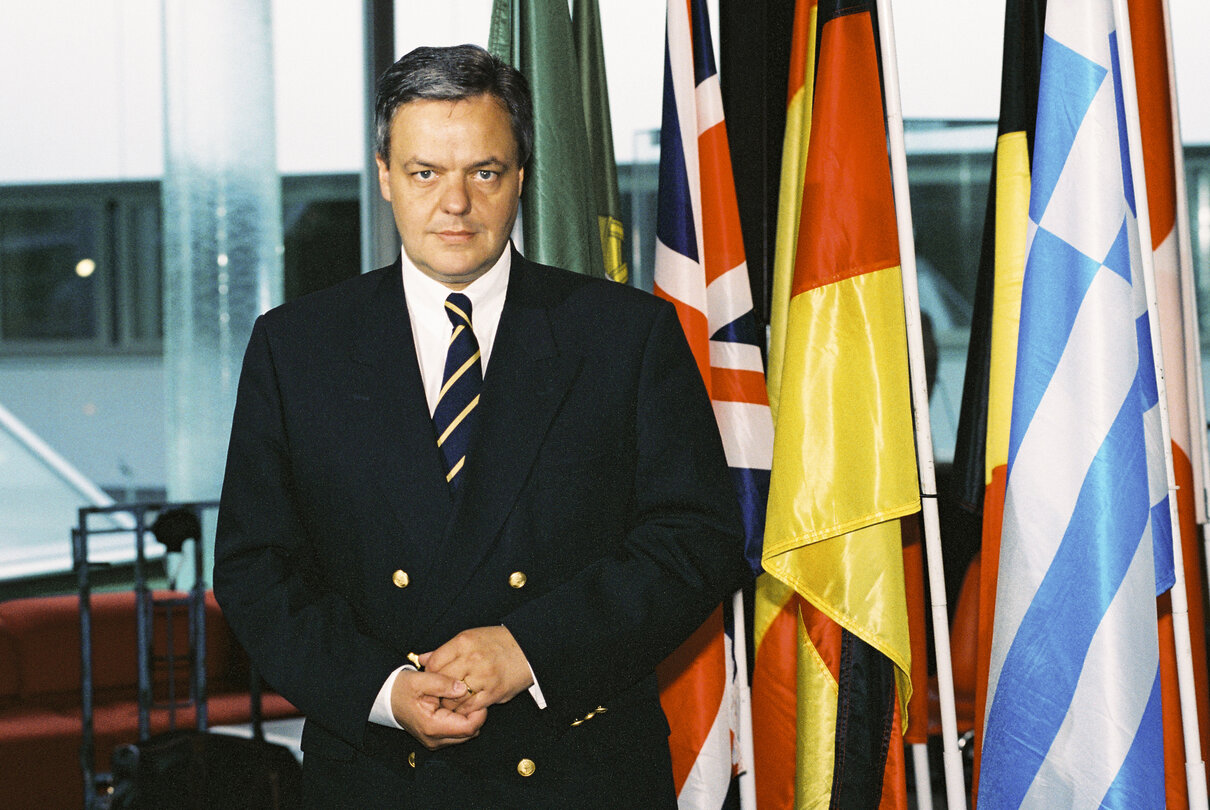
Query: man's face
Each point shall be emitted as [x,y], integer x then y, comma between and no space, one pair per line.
[454,184]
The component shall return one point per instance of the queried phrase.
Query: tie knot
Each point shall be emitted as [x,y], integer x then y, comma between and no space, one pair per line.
[458,309]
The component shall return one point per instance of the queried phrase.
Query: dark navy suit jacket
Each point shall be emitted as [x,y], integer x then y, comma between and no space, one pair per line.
[597,473]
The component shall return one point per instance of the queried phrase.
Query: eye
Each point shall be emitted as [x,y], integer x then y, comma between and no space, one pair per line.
[488,174]
[423,174]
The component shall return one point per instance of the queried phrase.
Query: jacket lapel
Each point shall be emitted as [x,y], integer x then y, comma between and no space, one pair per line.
[406,466]
[526,380]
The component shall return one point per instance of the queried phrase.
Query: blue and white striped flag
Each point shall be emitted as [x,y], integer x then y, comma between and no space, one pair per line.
[1073,717]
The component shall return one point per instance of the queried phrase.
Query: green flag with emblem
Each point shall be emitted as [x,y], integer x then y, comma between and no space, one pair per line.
[560,217]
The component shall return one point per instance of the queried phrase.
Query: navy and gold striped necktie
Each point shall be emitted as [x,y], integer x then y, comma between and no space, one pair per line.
[455,414]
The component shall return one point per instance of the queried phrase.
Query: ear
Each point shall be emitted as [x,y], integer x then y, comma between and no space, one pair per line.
[384,178]
[520,180]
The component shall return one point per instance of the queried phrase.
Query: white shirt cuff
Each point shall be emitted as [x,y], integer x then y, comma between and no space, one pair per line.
[535,691]
[380,712]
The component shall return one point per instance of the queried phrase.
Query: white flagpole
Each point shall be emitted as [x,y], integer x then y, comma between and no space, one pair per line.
[955,783]
[1193,345]
[747,776]
[1195,774]
[924,778]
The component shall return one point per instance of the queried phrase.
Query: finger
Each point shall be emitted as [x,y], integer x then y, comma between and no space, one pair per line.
[433,743]
[453,704]
[475,699]
[464,650]
[440,659]
[448,728]
[437,726]
[438,685]
[478,701]
[443,723]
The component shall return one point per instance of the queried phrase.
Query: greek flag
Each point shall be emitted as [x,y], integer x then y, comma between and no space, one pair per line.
[1073,717]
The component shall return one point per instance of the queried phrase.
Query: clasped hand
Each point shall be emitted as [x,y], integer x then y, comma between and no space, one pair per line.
[447,703]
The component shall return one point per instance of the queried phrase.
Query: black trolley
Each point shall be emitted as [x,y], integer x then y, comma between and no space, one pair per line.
[182,768]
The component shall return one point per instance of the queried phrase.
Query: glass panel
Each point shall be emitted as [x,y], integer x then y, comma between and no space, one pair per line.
[322,240]
[142,263]
[221,198]
[949,167]
[50,284]
[38,509]
[638,186]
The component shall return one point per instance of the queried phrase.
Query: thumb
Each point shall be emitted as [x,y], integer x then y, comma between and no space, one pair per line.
[439,686]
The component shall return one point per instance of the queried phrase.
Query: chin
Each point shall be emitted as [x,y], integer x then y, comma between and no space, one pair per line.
[460,275]
[458,272]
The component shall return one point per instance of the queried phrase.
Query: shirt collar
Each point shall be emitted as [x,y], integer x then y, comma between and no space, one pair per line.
[486,292]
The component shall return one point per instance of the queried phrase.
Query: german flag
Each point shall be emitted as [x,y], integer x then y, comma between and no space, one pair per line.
[844,464]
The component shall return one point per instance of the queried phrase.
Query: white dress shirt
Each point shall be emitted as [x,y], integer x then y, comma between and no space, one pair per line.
[431,331]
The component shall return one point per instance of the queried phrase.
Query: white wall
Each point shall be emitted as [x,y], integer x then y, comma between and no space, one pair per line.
[80,80]
[81,87]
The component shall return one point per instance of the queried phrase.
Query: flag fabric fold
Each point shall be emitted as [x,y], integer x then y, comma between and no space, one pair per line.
[594,90]
[701,268]
[559,221]
[844,462]
[1071,720]
[981,454]
[779,636]
[1179,339]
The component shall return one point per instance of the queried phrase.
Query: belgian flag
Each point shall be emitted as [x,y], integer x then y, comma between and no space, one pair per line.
[981,450]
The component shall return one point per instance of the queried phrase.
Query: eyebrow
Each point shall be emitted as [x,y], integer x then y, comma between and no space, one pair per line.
[481,164]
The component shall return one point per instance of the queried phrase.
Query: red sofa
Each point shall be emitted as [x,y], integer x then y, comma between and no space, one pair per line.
[40,694]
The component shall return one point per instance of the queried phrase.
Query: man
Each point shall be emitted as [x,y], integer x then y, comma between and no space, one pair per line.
[505,474]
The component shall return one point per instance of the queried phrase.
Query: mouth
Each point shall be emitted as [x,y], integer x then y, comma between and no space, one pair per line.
[455,236]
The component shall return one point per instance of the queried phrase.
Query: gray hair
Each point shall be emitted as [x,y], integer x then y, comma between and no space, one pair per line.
[452,74]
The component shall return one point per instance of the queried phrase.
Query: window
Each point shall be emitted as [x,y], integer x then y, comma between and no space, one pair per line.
[49,285]
[321,231]
[80,267]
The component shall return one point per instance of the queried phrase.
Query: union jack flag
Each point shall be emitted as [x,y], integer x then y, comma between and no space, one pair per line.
[700,267]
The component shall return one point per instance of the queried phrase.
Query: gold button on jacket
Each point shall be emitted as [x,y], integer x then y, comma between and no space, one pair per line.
[526,767]
[516,579]
[412,759]
[400,578]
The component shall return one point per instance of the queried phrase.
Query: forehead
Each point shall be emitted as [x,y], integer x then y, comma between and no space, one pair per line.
[479,124]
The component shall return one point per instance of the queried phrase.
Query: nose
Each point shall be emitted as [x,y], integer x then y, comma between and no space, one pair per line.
[454,197]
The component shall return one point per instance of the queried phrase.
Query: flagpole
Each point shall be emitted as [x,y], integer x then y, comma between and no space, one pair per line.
[747,776]
[1193,362]
[1184,243]
[1195,772]
[955,785]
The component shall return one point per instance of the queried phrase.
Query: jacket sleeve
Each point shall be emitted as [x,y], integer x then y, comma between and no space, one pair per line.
[303,636]
[615,619]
